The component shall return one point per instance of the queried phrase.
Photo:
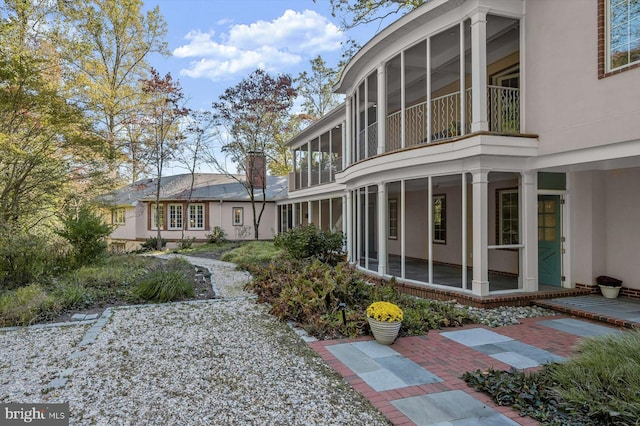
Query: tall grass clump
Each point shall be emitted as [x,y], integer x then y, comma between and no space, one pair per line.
[26,305]
[603,380]
[251,255]
[166,282]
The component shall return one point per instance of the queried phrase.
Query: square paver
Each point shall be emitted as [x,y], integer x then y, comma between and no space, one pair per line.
[383,380]
[532,352]
[475,337]
[578,328]
[450,407]
[353,358]
[516,360]
[408,371]
[374,349]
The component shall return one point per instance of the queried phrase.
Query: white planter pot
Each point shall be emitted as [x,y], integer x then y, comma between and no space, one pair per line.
[384,332]
[609,292]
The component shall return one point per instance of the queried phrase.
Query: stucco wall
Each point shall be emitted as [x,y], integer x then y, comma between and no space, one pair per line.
[606,230]
[565,103]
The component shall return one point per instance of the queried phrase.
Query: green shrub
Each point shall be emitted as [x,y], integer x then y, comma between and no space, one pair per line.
[252,255]
[217,235]
[72,295]
[185,243]
[308,241]
[86,232]
[173,280]
[26,257]
[151,244]
[309,292]
[26,305]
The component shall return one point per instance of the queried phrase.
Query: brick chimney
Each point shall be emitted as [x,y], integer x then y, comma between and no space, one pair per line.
[256,167]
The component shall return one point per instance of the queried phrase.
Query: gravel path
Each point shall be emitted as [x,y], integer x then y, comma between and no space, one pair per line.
[224,361]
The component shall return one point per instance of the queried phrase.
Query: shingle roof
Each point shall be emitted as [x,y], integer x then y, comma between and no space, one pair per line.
[207,186]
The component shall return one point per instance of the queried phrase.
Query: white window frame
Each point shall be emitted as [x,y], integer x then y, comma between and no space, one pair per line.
[393,219]
[237,216]
[154,226]
[196,215]
[118,216]
[175,213]
[443,220]
[501,219]
[630,18]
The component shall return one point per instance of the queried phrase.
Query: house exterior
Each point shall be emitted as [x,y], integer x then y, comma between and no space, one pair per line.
[217,200]
[486,147]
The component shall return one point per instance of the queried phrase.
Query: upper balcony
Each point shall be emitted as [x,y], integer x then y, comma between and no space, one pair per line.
[317,152]
[454,71]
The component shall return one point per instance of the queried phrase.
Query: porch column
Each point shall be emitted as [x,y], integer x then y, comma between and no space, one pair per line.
[347,223]
[346,137]
[309,212]
[382,228]
[358,222]
[381,110]
[479,120]
[529,230]
[480,282]
[294,221]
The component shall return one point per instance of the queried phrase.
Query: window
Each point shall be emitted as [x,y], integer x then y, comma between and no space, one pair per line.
[196,216]
[175,216]
[118,216]
[238,216]
[159,220]
[622,37]
[439,219]
[508,220]
[393,219]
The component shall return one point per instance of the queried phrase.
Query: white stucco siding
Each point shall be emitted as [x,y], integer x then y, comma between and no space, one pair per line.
[565,102]
[606,225]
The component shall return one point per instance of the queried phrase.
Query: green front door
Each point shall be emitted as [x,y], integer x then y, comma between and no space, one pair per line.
[549,240]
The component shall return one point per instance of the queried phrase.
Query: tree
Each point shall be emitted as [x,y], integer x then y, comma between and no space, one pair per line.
[43,137]
[109,42]
[252,114]
[160,118]
[199,132]
[317,89]
[359,12]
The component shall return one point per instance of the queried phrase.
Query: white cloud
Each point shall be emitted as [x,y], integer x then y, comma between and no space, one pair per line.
[286,41]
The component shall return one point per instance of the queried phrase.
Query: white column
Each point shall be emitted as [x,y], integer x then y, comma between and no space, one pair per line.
[403,228]
[309,212]
[529,230]
[480,282]
[403,100]
[464,230]
[294,218]
[382,228]
[367,224]
[479,74]
[347,223]
[428,97]
[358,222]
[463,103]
[346,137]
[430,228]
[382,109]
[309,163]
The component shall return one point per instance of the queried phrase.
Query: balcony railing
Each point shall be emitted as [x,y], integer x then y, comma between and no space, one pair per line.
[321,173]
[367,144]
[503,106]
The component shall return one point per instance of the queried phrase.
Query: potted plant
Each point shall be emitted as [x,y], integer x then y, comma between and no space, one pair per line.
[610,287]
[385,320]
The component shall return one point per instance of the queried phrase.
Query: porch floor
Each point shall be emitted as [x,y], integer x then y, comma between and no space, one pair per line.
[446,275]
[621,311]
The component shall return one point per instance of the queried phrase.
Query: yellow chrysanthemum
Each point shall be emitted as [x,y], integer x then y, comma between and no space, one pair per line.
[384,311]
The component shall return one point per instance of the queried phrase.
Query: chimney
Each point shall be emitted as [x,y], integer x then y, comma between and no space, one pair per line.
[256,167]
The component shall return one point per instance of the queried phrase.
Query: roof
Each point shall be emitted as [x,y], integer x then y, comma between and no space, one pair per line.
[207,187]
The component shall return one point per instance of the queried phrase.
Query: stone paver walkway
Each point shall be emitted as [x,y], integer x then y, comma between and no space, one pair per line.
[416,381]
